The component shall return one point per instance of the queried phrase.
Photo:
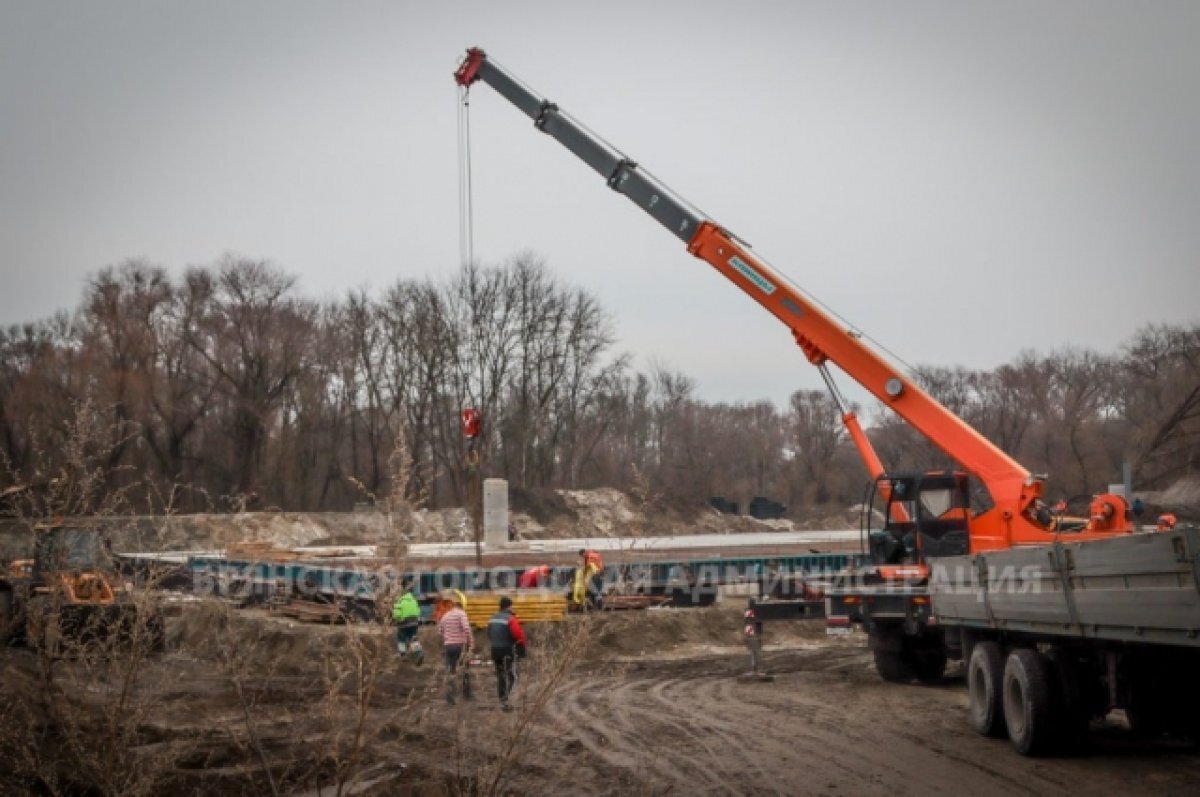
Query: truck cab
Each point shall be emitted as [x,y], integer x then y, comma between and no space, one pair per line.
[911,517]
[907,519]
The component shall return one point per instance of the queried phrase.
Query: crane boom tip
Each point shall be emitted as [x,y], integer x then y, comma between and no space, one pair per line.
[468,71]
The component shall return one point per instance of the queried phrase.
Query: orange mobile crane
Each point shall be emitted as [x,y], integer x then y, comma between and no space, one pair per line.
[925,514]
[1103,643]
[1013,518]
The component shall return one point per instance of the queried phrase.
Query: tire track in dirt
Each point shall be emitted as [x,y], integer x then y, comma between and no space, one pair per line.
[645,700]
[708,721]
[634,718]
[589,722]
[719,738]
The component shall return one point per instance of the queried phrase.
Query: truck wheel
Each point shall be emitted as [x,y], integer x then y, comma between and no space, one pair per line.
[1028,702]
[893,666]
[985,678]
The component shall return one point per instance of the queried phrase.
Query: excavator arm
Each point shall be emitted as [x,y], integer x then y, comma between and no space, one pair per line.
[823,340]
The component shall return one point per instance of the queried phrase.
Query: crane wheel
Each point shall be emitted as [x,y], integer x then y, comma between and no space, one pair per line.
[1028,702]
[985,676]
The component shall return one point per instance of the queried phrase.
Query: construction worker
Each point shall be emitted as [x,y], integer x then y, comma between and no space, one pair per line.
[1042,513]
[457,644]
[1138,509]
[591,558]
[752,633]
[407,614]
[1166,521]
[590,564]
[534,577]
[507,641]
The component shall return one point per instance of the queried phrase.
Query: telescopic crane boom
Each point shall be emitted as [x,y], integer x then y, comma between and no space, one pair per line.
[1014,491]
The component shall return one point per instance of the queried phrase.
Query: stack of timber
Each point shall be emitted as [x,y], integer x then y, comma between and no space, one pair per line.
[530,606]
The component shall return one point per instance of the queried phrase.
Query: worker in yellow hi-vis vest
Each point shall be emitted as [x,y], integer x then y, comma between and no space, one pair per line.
[590,564]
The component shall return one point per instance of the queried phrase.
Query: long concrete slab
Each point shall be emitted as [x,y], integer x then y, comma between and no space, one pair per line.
[532,549]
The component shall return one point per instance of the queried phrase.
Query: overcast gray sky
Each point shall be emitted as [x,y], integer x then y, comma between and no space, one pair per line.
[961,180]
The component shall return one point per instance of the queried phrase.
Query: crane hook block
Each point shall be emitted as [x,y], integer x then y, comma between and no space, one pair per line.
[472,423]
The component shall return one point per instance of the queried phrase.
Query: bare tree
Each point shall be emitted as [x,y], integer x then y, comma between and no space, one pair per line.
[1160,398]
[816,433]
[255,338]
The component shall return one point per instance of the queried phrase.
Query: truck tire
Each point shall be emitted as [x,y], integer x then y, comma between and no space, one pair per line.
[893,666]
[1028,702]
[985,681]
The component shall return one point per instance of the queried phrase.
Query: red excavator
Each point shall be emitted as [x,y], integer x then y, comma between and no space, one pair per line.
[922,515]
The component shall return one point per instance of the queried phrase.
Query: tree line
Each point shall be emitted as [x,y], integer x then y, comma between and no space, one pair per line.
[224,389]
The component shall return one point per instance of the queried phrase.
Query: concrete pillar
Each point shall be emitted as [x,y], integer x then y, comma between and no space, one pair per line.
[495,513]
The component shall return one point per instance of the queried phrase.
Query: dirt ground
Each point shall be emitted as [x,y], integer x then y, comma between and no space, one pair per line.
[650,702]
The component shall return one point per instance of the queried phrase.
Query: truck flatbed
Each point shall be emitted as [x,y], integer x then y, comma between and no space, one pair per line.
[1142,588]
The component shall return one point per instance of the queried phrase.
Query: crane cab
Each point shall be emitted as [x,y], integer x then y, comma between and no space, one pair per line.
[910,517]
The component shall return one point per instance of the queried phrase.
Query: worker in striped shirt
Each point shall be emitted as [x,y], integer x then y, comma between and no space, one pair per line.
[457,644]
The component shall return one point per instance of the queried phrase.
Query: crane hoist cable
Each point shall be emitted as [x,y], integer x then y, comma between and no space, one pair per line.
[466,215]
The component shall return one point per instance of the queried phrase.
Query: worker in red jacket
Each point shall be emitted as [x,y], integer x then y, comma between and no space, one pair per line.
[507,640]
[534,577]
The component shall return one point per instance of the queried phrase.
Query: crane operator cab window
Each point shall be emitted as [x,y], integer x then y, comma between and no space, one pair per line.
[916,516]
